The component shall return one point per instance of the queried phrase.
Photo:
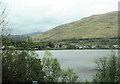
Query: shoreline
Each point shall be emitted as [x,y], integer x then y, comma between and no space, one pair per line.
[78,49]
[68,49]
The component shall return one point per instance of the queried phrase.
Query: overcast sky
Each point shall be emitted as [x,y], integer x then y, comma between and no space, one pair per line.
[26,16]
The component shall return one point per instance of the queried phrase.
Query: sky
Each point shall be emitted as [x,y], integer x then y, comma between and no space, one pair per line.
[27,16]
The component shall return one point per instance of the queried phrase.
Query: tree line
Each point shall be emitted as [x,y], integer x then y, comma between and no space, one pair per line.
[99,43]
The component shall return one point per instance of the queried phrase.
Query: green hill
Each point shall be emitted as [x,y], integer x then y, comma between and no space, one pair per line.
[102,25]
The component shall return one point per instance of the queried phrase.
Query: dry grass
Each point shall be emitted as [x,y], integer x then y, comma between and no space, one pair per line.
[104,25]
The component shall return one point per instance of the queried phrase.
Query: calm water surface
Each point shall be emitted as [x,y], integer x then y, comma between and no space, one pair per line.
[82,61]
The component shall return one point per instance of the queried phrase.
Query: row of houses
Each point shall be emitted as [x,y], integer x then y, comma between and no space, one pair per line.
[94,46]
[81,46]
[77,46]
[86,47]
[60,46]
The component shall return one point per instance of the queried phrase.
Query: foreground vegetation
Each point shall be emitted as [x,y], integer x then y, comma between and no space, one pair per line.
[24,66]
[108,69]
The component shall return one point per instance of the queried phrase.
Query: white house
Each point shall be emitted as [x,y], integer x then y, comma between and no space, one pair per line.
[79,46]
[56,46]
[116,46]
[64,46]
[93,46]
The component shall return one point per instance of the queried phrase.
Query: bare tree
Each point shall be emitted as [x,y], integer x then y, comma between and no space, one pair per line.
[1,22]
[4,31]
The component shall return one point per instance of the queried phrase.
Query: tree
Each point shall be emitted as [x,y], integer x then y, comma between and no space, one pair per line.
[69,76]
[4,30]
[60,45]
[51,44]
[107,69]
[53,71]
[21,66]
[51,67]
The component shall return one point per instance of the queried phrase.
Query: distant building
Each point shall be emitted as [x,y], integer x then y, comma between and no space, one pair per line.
[3,47]
[56,46]
[93,46]
[85,47]
[64,46]
[79,46]
[47,47]
[116,46]
[12,47]
[36,48]
[107,46]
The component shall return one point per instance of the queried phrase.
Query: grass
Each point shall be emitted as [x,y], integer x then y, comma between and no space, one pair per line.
[103,25]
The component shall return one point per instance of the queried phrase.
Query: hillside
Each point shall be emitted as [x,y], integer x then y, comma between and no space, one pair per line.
[24,35]
[102,25]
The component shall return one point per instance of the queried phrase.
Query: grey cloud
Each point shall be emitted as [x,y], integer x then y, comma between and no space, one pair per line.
[42,16]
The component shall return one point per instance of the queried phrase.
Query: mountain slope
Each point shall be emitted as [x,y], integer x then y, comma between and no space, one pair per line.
[102,25]
[24,35]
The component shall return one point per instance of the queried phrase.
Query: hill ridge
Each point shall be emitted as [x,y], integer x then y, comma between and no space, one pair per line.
[95,26]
